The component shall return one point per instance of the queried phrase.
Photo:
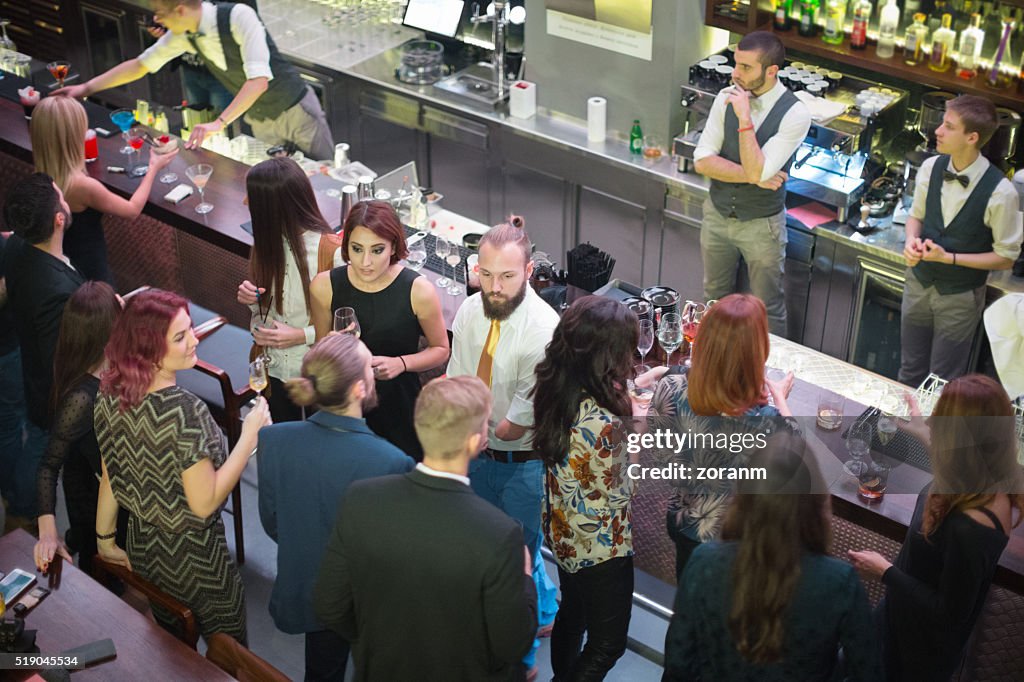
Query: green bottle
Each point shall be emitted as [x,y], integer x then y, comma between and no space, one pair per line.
[636,138]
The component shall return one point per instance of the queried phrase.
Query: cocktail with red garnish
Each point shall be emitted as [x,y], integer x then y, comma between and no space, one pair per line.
[59,70]
[165,144]
[136,138]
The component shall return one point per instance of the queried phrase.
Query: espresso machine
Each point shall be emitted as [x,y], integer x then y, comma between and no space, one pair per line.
[829,166]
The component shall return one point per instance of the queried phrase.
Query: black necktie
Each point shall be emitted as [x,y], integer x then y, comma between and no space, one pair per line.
[949,176]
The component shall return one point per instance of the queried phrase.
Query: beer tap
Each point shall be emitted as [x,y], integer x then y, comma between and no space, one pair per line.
[497,14]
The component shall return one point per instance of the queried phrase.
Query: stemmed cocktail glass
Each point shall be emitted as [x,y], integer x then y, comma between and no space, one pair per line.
[200,174]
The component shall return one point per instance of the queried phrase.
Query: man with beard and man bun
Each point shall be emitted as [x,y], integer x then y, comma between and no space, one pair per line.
[305,469]
[500,335]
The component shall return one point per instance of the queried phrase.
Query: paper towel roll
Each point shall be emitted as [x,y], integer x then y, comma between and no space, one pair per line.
[597,119]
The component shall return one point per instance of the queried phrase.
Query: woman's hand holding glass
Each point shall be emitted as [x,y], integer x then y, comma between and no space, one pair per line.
[275,334]
[258,417]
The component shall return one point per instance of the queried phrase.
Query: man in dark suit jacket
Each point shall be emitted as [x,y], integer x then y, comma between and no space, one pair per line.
[305,469]
[40,280]
[424,578]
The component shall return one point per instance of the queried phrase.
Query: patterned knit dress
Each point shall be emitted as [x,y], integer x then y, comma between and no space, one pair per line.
[146,449]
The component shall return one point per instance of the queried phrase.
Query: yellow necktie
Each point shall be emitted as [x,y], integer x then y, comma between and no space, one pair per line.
[483,370]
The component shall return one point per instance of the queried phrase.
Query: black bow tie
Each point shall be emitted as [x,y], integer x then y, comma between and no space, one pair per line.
[949,176]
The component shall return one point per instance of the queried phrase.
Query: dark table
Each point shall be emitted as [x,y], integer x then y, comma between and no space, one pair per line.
[79,610]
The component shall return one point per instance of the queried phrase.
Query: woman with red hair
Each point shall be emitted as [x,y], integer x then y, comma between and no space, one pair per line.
[936,589]
[163,459]
[725,393]
[395,306]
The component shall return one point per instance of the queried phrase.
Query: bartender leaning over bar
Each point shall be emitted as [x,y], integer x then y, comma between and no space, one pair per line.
[238,51]
[753,130]
[963,223]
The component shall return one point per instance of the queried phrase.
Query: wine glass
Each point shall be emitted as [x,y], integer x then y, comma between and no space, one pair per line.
[645,340]
[258,374]
[346,322]
[454,258]
[858,443]
[124,119]
[417,258]
[441,249]
[136,138]
[59,71]
[670,334]
[200,174]
[168,176]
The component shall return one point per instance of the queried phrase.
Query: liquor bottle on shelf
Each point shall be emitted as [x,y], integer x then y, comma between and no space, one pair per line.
[935,18]
[913,43]
[861,17]
[997,77]
[782,10]
[835,15]
[636,138]
[888,22]
[970,49]
[809,18]
[942,45]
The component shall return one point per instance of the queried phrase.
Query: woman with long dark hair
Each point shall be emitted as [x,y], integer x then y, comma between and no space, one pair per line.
[936,589]
[725,392]
[58,149]
[163,459]
[578,402]
[768,603]
[85,326]
[394,306]
[291,244]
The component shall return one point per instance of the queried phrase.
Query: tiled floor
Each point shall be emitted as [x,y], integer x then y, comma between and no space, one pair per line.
[647,631]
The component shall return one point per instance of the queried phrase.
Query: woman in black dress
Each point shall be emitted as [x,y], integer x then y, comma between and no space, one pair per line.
[936,589]
[394,306]
[84,329]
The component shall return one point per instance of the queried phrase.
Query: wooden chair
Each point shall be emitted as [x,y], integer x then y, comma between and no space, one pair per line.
[225,352]
[241,663]
[187,630]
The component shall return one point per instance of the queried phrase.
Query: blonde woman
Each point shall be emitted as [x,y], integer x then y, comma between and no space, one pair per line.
[58,149]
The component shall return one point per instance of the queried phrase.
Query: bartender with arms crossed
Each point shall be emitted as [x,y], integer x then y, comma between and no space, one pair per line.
[753,129]
[235,46]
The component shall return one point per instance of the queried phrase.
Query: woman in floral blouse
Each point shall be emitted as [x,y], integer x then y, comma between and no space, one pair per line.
[725,394]
[578,401]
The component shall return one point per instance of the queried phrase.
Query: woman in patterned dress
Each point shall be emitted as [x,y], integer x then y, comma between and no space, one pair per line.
[163,458]
[578,401]
[725,394]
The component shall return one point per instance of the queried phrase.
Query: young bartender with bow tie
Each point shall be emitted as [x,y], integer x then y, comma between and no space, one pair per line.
[753,129]
[964,221]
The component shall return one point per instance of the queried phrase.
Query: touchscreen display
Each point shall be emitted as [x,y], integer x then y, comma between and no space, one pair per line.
[435,16]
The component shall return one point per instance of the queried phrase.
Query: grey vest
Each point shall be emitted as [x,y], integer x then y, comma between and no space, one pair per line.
[743,200]
[966,233]
[284,90]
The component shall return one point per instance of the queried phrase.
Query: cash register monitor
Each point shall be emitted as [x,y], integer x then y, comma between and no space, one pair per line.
[435,16]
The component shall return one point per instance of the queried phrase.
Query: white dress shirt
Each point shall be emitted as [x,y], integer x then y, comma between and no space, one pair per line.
[441,474]
[1002,215]
[792,129]
[524,338]
[287,362]
[246,28]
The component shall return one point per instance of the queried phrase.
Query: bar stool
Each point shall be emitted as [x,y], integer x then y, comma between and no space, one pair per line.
[224,350]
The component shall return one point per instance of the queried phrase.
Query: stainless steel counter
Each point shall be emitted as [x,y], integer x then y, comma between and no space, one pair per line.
[301,34]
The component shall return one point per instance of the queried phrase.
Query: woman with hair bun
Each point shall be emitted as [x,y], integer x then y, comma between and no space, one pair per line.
[164,460]
[302,488]
[395,306]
